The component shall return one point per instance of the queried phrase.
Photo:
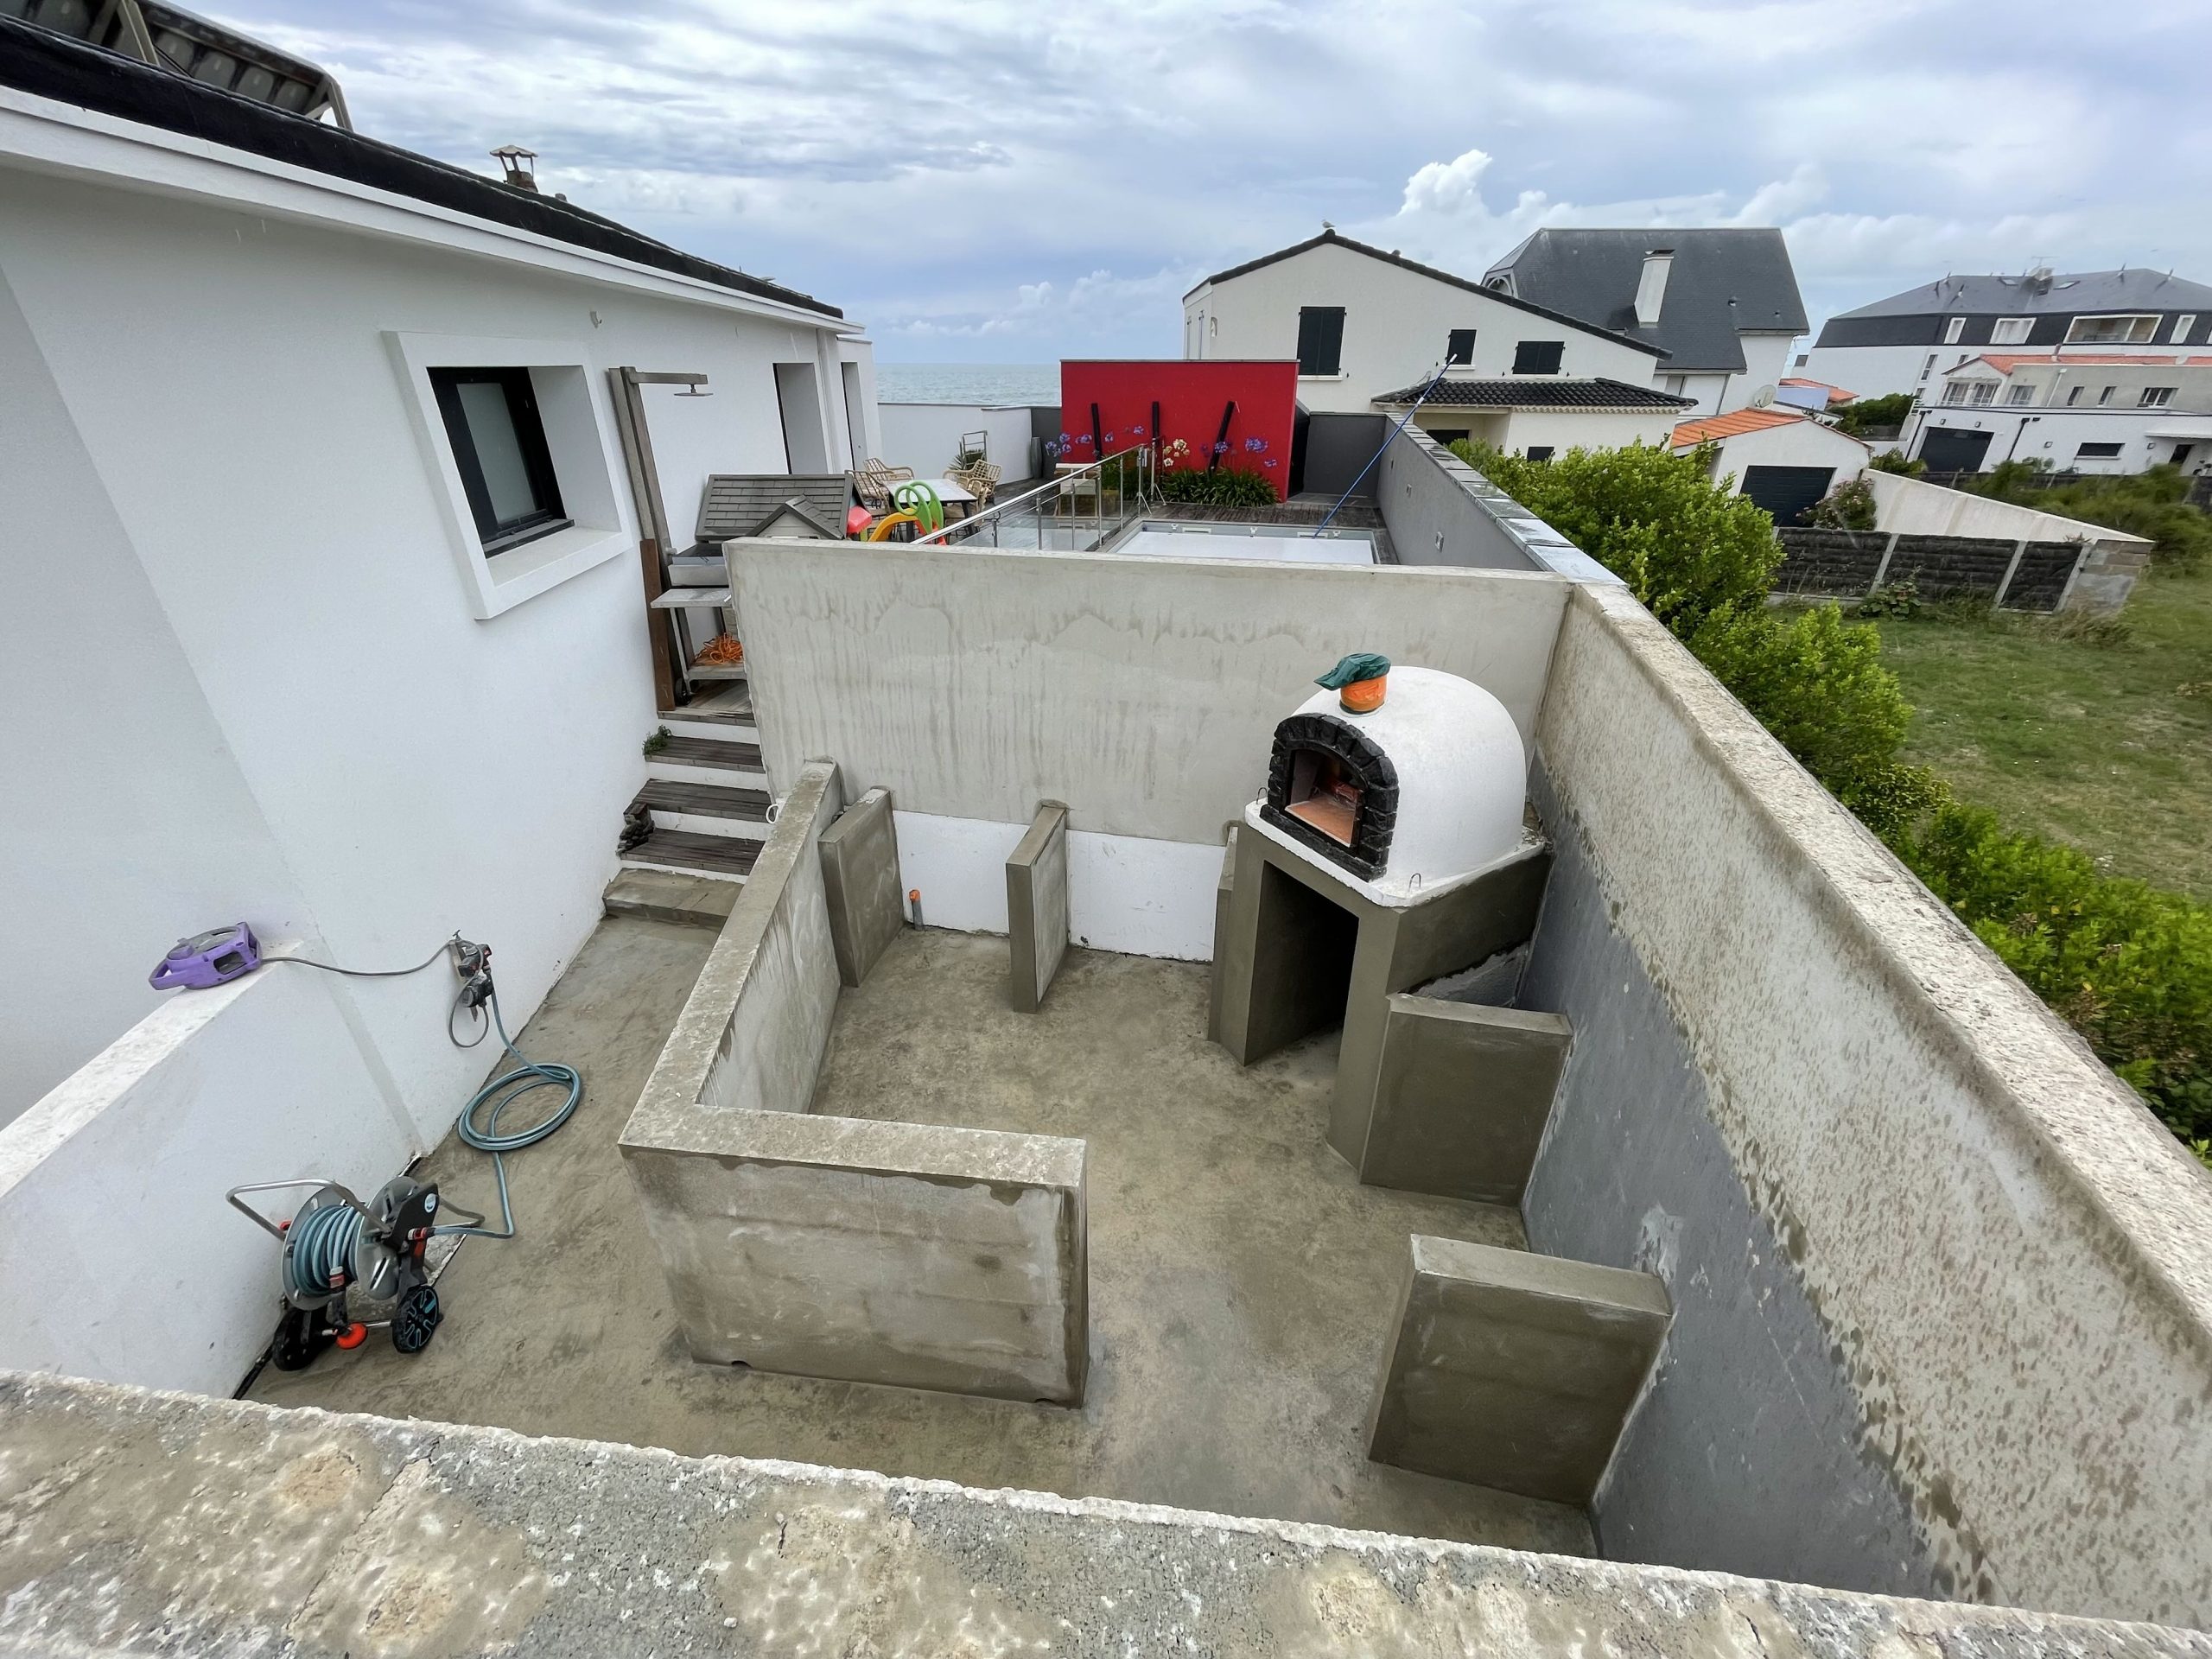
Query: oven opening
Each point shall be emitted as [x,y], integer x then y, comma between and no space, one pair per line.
[1323,795]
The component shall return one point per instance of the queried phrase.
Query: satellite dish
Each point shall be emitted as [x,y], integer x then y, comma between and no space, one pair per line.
[1763,398]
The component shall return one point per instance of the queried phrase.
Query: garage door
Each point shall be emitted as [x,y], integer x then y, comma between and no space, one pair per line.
[1786,492]
[1954,450]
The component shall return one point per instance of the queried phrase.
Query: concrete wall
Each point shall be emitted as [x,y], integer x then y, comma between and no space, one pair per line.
[2116,560]
[927,436]
[1142,693]
[331,1533]
[1338,448]
[118,1258]
[859,884]
[1943,1286]
[1037,907]
[247,675]
[907,1253]
[753,1032]
[1513,1370]
[1426,490]
[1397,325]
[1462,1095]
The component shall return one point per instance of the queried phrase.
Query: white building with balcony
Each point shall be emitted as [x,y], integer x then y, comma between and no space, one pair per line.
[2080,412]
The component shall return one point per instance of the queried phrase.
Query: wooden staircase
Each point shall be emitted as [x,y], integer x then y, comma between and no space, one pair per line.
[709,800]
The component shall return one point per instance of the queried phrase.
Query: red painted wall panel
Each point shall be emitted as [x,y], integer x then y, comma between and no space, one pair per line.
[1192,395]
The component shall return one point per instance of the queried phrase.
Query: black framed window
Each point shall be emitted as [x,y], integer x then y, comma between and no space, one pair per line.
[1540,451]
[1538,356]
[2097,452]
[1320,338]
[498,447]
[1459,347]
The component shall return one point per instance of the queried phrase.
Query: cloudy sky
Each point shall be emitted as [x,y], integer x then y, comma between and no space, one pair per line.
[1013,180]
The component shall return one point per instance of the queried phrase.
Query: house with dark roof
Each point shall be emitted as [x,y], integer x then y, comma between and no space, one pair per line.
[1372,329]
[1910,341]
[1722,303]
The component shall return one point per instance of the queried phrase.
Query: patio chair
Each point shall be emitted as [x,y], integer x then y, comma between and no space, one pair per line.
[874,482]
[979,477]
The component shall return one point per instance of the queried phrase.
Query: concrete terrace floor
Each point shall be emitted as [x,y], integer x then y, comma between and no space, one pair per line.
[1242,1280]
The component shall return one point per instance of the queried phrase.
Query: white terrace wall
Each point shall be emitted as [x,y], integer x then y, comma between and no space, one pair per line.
[1942,1286]
[118,1257]
[245,676]
[1143,693]
[927,436]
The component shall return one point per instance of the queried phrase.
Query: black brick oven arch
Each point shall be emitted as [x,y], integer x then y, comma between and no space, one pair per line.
[1370,768]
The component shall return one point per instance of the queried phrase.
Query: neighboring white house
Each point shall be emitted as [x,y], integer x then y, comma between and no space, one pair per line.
[1908,341]
[1364,322]
[2095,412]
[1782,460]
[1722,303]
[1538,418]
[319,597]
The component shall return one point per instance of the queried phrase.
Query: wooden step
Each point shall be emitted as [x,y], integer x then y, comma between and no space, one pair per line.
[729,703]
[680,850]
[710,752]
[664,896]
[703,800]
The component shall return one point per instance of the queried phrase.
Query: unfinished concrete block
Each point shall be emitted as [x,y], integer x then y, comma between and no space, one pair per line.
[1514,1371]
[1305,948]
[1037,906]
[1222,890]
[1461,1097]
[909,1254]
[860,879]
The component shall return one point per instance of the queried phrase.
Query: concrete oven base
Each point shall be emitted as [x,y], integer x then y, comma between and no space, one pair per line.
[1305,949]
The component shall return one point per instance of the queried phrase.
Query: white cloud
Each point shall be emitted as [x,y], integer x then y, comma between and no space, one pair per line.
[999,178]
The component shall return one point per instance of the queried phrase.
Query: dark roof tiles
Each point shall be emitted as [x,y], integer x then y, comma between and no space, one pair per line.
[1535,393]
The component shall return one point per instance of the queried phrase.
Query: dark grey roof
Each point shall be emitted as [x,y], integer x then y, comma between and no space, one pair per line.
[1723,283]
[36,60]
[1420,269]
[1532,393]
[2131,289]
[738,504]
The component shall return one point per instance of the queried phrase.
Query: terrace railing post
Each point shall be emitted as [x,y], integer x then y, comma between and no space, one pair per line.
[2019,552]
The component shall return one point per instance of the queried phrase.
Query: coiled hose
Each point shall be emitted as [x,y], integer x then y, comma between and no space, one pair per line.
[478,1123]
[322,1256]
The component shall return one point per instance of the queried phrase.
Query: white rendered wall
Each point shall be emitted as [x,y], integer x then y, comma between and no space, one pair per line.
[1766,359]
[1126,893]
[1878,371]
[1910,507]
[927,436]
[413,770]
[2056,436]
[1397,324]
[118,1258]
[1710,390]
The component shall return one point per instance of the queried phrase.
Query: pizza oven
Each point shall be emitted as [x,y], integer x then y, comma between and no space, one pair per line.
[1426,783]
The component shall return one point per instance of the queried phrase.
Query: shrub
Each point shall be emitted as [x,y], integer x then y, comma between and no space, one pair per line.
[2126,965]
[1861,414]
[2152,504]
[1219,488]
[1898,598]
[1687,548]
[1817,682]
[1847,506]
[1896,461]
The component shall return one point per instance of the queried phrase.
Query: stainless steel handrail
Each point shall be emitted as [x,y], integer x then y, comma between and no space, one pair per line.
[1066,486]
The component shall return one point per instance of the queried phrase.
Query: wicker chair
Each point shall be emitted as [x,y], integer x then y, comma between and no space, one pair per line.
[876,480]
[979,477]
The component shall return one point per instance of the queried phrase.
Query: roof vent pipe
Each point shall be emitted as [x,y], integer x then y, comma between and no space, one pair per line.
[1651,287]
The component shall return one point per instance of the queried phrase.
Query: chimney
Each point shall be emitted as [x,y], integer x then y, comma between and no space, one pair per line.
[1651,288]
[519,166]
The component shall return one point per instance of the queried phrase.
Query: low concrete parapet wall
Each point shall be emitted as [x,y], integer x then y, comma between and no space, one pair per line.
[1942,1286]
[1461,1097]
[1514,1371]
[901,1253]
[337,1534]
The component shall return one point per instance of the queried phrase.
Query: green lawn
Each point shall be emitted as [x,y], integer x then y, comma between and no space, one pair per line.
[2107,747]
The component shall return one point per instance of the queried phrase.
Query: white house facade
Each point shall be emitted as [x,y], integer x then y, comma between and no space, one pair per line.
[1908,341]
[1364,322]
[266,657]
[1723,304]
[2098,412]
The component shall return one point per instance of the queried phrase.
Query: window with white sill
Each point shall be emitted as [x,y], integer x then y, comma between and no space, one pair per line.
[2011,331]
[2157,396]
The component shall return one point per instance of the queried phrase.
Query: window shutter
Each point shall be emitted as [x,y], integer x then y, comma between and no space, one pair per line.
[1320,339]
